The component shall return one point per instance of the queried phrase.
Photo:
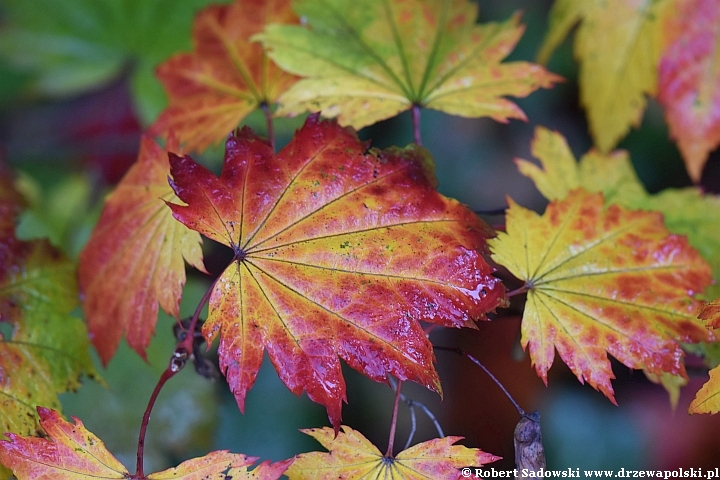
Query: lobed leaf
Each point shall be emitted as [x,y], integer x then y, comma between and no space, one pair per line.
[226,77]
[368,60]
[618,72]
[352,456]
[686,211]
[340,251]
[71,452]
[47,351]
[133,261]
[689,81]
[603,279]
[559,172]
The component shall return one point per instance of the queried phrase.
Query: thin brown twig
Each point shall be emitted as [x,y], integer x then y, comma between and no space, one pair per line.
[477,362]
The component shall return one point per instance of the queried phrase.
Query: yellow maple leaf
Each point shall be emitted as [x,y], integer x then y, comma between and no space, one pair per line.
[352,456]
[618,45]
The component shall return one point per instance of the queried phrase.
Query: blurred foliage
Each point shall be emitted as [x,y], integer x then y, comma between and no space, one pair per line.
[77,45]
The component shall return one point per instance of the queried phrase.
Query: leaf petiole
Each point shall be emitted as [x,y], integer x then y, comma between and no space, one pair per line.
[177,362]
[413,423]
[169,372]
[518,291]
[393,424]
[416,124]
[269,123]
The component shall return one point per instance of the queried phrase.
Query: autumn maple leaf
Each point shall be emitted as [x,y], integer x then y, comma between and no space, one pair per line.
[71,452]
[352,457]
[133,261]
[339,251]
[368,60]
[226,76]
[603,279]
[686,211]
[689,81]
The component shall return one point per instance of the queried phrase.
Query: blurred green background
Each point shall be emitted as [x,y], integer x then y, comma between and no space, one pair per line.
[76,91]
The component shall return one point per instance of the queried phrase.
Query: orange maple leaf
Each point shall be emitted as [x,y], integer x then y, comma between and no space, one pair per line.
[71,452]
[134,258]
[351,456]
[689,81]
[603,280]
[226,77]
[339,251]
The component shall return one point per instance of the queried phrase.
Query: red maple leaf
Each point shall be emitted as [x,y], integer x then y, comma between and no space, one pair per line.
[340,251]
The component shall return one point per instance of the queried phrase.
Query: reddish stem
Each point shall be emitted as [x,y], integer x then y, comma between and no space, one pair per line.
[187,343]
[416,124]
[166,375]
[518,291]
[393,424]
[177,362]
[269,122]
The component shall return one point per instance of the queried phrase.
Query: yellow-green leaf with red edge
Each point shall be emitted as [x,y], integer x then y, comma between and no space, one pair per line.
[340,251]
[689,81]
[603,279]
[618,45]
[71,452]
[686,211]
[227,76]
[352,456]
[368,60]
[133,261]
[48,350]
